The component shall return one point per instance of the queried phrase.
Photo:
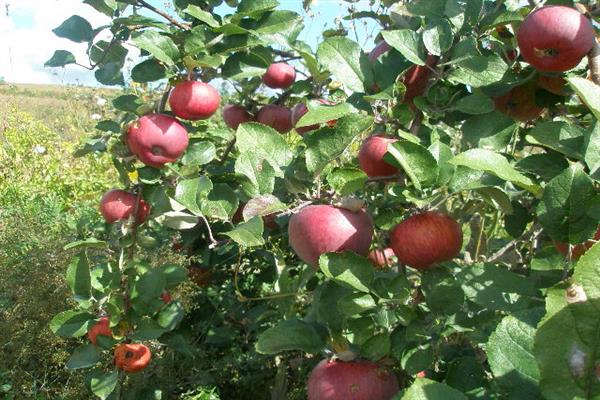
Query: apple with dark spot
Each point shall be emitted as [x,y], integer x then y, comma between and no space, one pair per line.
[519,103]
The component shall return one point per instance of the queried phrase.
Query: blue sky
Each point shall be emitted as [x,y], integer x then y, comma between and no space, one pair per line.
[26,40]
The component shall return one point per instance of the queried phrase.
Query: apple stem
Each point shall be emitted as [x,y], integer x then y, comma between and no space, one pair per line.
[594,62]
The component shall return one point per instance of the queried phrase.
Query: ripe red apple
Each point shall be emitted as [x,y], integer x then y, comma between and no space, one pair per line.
[370,157]
[102,327]
[352,380]
[157,139]
[118,205]
[379,49]
[298,112]
[277,117]
[193,100]
[279,76]
[320,229]
[381,258]
[579,249]
[234,115]
[519,103]
[555,38]
[554,84]
[426,239]
[417,77]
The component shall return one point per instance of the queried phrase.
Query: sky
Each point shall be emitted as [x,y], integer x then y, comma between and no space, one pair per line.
[27,41]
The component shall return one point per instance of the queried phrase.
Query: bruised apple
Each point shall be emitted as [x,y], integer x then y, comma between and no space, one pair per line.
[370,156]
[519,103]
[382,258]
[157,139]
[425,239]
[132,357]
[555,38]
[320,229]
[275,116]
[579,249]
[117,205]
[279,76]
[352,380]
[234,115]
[193,100]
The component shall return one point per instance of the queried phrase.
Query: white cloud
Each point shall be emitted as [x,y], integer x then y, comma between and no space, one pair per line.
[27,41]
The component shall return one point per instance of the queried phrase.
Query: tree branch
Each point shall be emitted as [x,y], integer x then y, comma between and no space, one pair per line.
[163,14]
[594,61]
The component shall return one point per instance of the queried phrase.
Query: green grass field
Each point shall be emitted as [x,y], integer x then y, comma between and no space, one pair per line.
[44,192]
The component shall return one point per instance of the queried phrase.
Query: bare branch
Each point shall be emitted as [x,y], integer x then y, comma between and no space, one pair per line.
[163,14]
[594,61]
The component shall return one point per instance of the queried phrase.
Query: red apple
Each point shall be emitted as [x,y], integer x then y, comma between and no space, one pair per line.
[234,115]
[102,327]
[352,380]
[298,112]
[166,297]
[277,117]
[554,84]
[426,239]
[193,100]
[579,249]
[519,103]
[118,205]
[157,139]
[381,258]
[279,76]
[417,78]
[370,157]
[379,49]
[320,229]
[555,38]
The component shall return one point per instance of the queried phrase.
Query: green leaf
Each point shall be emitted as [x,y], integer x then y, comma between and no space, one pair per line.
[377,346]
[148,71]
[346,61]
[547,166]
[443,293]
[76,29]
[442,153]
[416,359]
[72,323]
[560,136]
[326,305]
[90,242]
[128,103]
[174,274]
[563,209]
[438,37]
[256,7]
[110,74]
[261,206]
[425,389]
[246,65]
[60,58]
[348,269]
[106,7]
[289,335]
[171,315]
[264,143]
[280,26]
[495,164]
[189,192]
[178,220]
[591,150]
[320,114]
[160,46]
[78,278]
[326,144]
[475,104]
[478,71]
[408,43]
[588,93]
[346,181]
[199,153]
[202,15]
[509,292]
[248,234]
[147,329]
[146,291]
[415,160]
[260,174]
[84,356]
[489,131]
[102,384]
[221,202]
[355,303]
[510,354]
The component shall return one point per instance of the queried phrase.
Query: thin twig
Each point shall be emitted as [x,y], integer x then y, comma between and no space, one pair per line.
[227,151]
[296,209]
[567,266]
[163,14]
[594,62]
[213,242]
[497,255]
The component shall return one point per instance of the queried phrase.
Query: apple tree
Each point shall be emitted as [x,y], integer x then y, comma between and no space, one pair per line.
[414,221]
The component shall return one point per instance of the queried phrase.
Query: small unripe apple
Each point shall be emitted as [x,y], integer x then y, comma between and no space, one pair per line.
[102,327]
[425,239]
[234,115]
[157,139]
[519,103]
[279,76]
[275,116]
[554,84]
[352,380]
[298,112]
[194,100]
[555,38]
[370,157]
[320,229]
[118,205]
[382,258]
[579,249]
